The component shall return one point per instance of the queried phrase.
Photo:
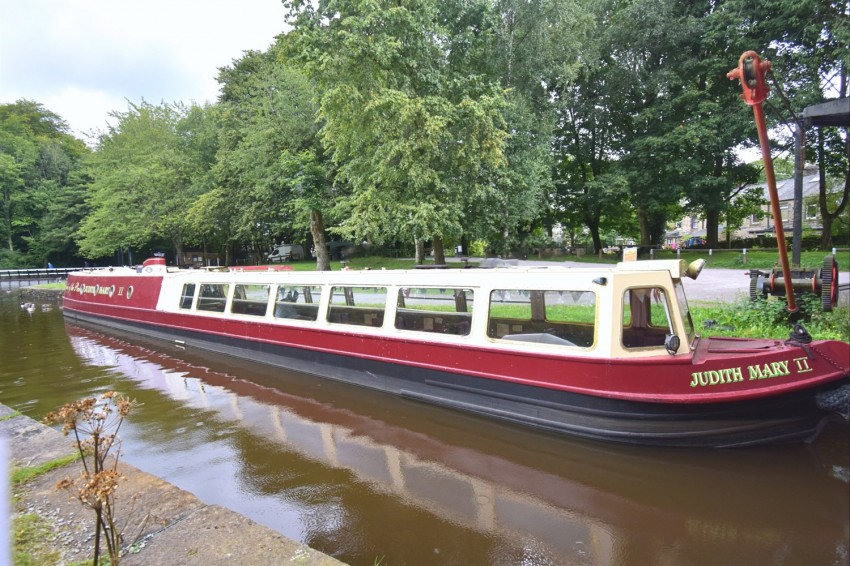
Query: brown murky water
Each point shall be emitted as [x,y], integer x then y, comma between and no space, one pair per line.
[370,479]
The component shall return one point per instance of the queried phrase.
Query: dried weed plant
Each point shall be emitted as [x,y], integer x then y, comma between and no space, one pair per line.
[95,422]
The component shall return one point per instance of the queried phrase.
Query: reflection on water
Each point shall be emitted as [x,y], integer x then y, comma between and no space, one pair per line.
[365,476]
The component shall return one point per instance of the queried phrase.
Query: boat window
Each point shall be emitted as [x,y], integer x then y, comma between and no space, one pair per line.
[563,317]
[686,311]
[446,310]
[362,306]
[646,318]
[187,296]
[297,302]
[250,299]
[213,297]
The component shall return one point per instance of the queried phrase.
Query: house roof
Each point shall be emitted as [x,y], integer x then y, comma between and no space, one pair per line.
[785,188]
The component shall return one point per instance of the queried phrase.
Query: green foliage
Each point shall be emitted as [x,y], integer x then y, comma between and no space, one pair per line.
[39,167]
[477,248]
[414,134]
[148,171]
[270,171]
[771,319]
[13,260]
[31,536]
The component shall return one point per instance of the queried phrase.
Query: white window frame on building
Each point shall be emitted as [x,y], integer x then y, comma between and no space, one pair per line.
[812,211]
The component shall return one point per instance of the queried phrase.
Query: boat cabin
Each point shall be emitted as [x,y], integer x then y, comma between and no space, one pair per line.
[633,309]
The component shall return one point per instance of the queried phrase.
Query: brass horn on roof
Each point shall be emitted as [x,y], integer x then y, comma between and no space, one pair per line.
[695,268]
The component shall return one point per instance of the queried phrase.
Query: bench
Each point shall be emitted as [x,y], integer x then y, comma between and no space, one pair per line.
[546,332]
[458,324]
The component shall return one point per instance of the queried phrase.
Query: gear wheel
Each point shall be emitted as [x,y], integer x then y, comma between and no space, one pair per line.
[829,283]
[755,284]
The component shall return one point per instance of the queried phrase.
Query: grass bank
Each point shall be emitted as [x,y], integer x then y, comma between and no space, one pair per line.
[724,259]
[32,541]
[58,286]
[33,535]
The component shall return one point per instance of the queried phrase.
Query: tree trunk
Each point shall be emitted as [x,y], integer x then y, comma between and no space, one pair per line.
[317,229]
[645,231]
[178,248]
[419,243]
[593,226]
[260,251]
[7,217]
[826,235]
[826,216]
[712,227]
[712,216]
[439,255]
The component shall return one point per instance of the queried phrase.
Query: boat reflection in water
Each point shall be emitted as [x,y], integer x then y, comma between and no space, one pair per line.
[365,476]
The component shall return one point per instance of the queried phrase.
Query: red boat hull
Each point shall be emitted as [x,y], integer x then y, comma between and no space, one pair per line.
[729,392]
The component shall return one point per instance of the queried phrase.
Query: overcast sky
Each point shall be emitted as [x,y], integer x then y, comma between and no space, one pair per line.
[85,58]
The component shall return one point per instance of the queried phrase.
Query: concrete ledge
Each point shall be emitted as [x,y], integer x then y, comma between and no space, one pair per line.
[162,524]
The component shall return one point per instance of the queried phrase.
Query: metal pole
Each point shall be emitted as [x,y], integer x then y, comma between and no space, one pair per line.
[799,165]
[774,205]
[750,72]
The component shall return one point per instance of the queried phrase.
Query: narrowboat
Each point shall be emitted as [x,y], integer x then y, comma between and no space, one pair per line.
[607,354]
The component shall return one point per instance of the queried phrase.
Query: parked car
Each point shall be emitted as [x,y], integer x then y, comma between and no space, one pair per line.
[694,242]
[285,252]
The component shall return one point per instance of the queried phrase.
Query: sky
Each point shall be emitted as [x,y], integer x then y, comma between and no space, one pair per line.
[83,59]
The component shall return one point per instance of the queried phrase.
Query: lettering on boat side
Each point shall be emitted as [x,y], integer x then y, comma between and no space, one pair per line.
[716,377]
[770,370]
[96,290]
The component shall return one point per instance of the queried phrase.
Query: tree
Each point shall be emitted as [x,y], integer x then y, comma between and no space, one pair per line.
[271,165]
[412,130]
[39,169]
[535,48]
[591,188]
[148,171]
[807,43]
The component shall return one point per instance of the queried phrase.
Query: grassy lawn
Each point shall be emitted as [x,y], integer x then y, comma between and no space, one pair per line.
[729,259]
[60,285]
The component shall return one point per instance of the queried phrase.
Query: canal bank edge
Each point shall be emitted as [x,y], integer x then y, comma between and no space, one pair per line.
[163,524]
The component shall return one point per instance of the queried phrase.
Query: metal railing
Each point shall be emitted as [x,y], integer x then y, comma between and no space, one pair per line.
[742,251]
[39,273]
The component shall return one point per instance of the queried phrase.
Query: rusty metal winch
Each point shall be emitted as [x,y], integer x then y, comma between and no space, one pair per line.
[822,282]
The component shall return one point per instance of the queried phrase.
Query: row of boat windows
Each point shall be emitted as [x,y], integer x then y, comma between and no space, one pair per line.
[554,317]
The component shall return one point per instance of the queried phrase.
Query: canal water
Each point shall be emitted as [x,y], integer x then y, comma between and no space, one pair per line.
[372,479]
